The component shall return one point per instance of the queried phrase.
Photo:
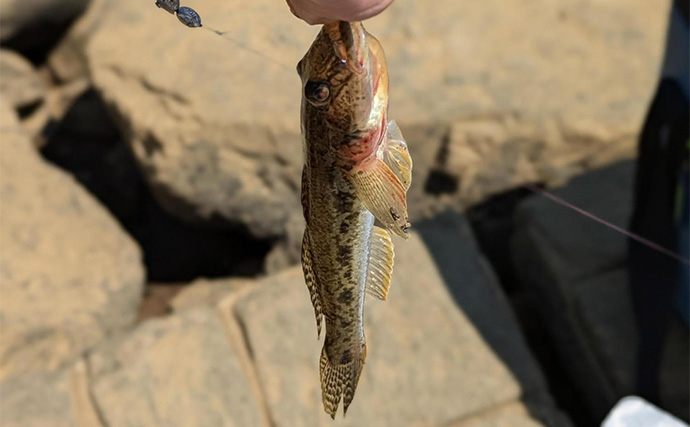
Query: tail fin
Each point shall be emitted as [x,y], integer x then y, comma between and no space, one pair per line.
[339,381]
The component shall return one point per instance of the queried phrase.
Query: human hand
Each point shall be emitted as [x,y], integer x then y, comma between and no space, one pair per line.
[325,11]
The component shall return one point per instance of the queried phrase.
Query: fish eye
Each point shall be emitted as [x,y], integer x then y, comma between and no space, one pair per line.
[317,92]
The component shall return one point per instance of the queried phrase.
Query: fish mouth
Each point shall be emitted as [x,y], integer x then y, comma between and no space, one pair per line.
[349,44]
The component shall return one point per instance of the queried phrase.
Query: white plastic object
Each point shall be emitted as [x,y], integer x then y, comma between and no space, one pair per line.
[633,411]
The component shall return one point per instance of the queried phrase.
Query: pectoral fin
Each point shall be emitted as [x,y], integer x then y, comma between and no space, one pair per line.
[312,282]
[380,264]
[382,193]
[397,156]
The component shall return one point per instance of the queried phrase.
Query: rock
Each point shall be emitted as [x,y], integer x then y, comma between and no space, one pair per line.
[475,289]
[288,250]
[9,121]
[70,275]
[210,151]
[176,371]
[36,15]
[608,317]
[67,60]
[515,414]
[43,123]
[575,268]
[213,120]
[443,347]
[81,113]
[87,145]
[156,301]
[491,155]
[206,293]
[50,399]
[37,400]
[555,249]
[21,85]
[573,246]
[608,322]
[486,60]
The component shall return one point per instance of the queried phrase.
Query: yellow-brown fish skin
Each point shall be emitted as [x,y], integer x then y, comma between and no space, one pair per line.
[344,255]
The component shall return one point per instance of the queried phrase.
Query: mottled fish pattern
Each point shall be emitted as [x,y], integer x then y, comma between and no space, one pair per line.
[356,175]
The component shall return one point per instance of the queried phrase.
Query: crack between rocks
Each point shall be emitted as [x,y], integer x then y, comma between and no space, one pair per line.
[238,340]
[148,85]
[160,91]
[164,95]
[80,386]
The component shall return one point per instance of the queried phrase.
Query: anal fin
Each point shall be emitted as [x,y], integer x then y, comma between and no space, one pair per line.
[380,267]
[312,282]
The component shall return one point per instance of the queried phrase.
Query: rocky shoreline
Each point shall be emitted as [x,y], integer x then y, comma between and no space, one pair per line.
[150,222]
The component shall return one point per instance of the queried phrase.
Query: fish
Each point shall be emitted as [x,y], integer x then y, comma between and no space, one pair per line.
[355,179]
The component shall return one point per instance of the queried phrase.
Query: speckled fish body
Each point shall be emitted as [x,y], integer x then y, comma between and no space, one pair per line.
[357,170]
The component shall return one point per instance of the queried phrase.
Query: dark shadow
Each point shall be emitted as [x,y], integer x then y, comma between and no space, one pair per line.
[36,42]
[493,225]
[89,146]
[478,293]
[439,181]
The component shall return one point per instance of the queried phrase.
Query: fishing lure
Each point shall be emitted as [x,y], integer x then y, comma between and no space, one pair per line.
[189,17]
[186,15]
[170,6]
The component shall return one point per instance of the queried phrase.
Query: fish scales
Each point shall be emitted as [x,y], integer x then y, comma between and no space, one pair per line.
[357,170]
[340,235]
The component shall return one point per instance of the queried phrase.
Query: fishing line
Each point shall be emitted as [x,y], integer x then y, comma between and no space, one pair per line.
[652,245]
[227,36]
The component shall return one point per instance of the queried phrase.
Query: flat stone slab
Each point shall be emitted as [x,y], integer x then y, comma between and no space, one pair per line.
[573,246]
[206,293]
[176,371]
[431,361]
[37,400]
[515,414]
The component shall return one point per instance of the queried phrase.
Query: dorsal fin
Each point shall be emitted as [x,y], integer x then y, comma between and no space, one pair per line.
[380,267]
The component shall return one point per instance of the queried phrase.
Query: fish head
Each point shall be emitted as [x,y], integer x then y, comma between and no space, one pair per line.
[344,81]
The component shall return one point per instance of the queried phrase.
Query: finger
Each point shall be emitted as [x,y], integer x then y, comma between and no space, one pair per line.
[325,11]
